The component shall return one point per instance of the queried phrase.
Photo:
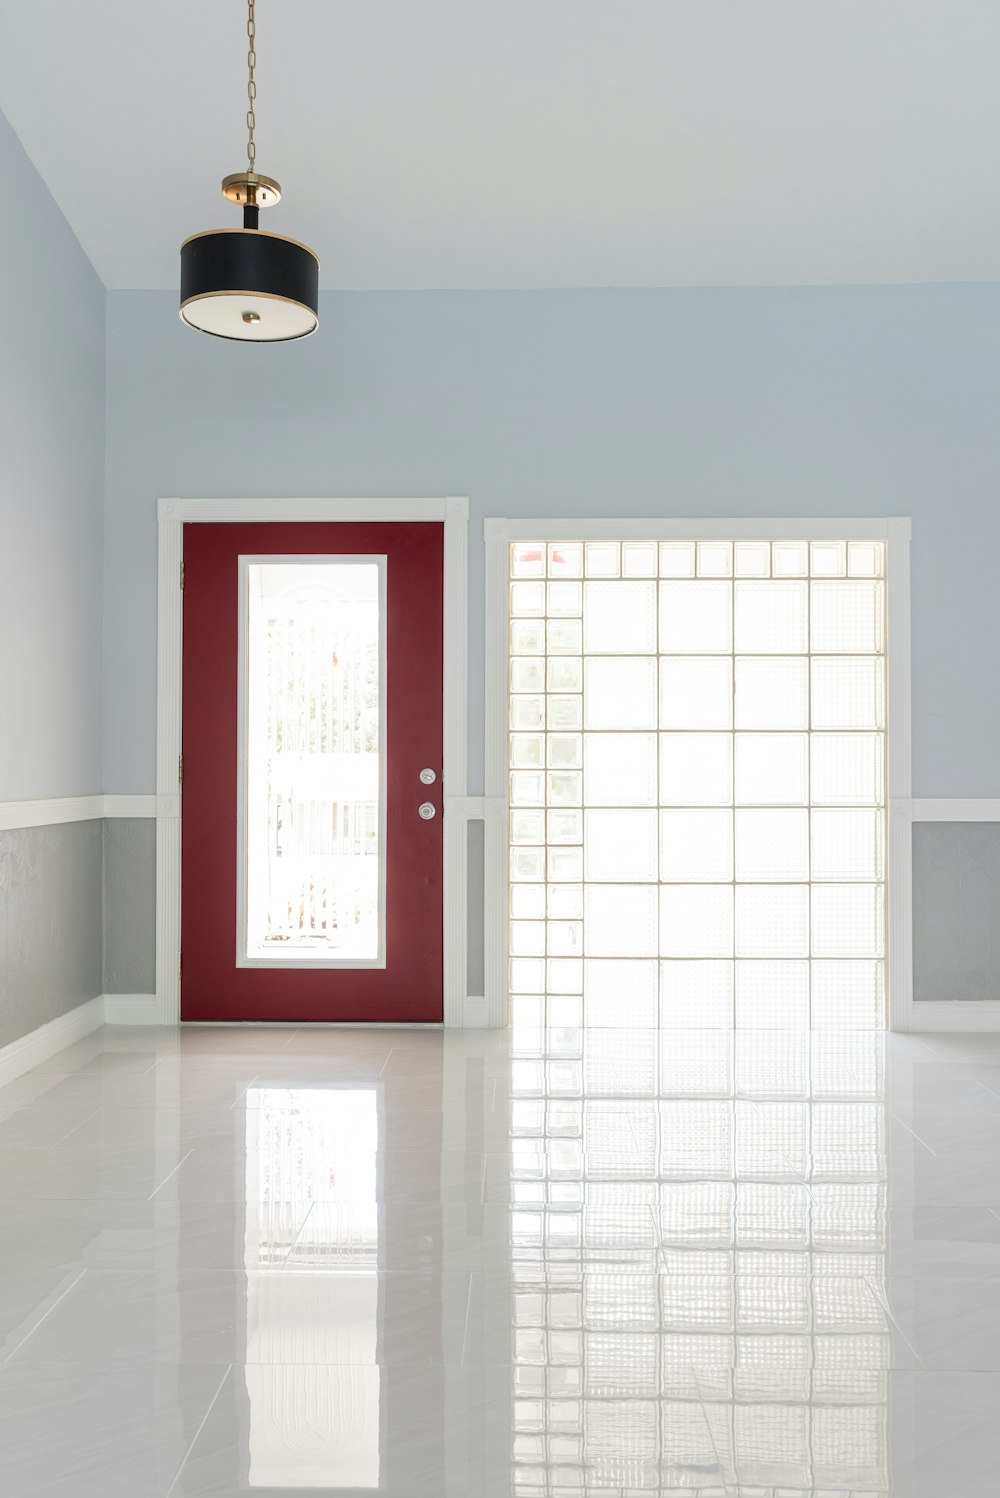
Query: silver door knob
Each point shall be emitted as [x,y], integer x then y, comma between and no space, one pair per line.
[427,777]
[427,810]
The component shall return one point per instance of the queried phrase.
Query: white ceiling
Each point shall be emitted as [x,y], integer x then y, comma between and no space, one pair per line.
[528,143]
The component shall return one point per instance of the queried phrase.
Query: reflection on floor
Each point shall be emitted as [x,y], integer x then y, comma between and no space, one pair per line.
[759,1263]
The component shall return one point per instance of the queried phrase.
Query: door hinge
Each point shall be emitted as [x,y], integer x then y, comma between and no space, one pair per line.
[180,769]
[182,577]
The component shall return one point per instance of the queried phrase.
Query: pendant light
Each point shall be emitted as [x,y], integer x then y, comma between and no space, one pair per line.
[244,283]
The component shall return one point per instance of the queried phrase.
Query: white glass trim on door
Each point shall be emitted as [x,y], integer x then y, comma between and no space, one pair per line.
[697,782]
[311,820]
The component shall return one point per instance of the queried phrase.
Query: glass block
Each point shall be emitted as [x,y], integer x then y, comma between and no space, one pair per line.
[527,559]
[526,1013]
[696,920]
[772,769]
[565,600]
[527,902]
[848,996]
[620,691]
[696,618]
[848,769]
[772,692]
[564,787]
[565,1010]
[564,974]
[527,600]
[696,995]
[865,558]
[565,826]
[715,559]
[752,559]
[564,637]
[772,1064]
[527,864]
[696,769]
[789,559]
[847,616]
[565,712]
[620,845]
[527,826]
[620,993]
[527,789]
[828,558]
[772,920]
[771,618]
[527,712]
[772,845]
[677,558]
[565,902]
[847,920]
[619,769]
[847,844]
[602,559]
[565,864]
[565,751]
[527,674]
[639,559]
[696,846]
[527,750]
[620,920]
[772,995]
[527,976]
[527,637]
[527,938]
[565,559]
[696,692]
[564,938]
[564,674]
[847,692]
[619,617]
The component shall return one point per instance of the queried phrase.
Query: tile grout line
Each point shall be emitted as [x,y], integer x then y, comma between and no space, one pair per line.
[63,1137]
[882,1301]
[298,1235]
[201,1427]
[243,1094]
[173,1172]
[29,1334]
[465,1328]
[916,1136]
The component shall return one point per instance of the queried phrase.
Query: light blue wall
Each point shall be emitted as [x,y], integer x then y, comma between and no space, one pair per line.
[841,401]
[51,494]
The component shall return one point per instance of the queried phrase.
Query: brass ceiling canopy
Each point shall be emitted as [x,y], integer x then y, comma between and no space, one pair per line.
[245,283]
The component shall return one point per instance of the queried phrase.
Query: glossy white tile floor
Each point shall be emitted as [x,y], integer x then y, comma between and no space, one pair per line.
[261,1261]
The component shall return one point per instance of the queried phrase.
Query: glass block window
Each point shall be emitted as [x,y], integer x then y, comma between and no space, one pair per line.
[697,784]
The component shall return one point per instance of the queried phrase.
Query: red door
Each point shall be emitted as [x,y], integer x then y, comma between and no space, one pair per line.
[311,805]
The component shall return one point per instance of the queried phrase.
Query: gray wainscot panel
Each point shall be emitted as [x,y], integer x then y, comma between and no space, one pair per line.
[956,910]
[129,905]
[50,923]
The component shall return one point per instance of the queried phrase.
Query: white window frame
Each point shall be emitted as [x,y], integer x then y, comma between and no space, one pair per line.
[172,516]
[500,532]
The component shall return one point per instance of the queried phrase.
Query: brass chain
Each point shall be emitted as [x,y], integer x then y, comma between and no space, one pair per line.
[251,85]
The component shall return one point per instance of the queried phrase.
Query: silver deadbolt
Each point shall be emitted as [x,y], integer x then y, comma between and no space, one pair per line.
[427,777]
[427,810]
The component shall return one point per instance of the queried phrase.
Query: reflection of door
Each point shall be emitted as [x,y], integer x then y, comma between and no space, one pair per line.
[312,720]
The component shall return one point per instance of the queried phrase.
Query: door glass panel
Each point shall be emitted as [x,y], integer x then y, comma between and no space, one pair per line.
[312,796]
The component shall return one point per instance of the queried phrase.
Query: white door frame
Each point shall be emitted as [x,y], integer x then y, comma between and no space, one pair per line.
[499,532]
[172,516]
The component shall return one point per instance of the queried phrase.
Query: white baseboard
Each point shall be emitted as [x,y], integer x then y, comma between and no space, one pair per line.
[49,1039]
[131,1009]
[956,1015]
